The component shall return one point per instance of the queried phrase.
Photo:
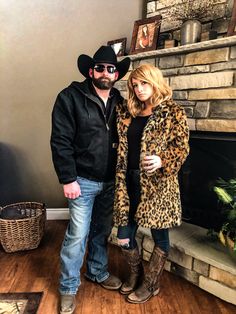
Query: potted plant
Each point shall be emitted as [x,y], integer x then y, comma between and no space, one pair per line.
[226,193]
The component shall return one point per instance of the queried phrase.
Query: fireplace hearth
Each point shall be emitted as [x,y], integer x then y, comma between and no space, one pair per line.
[212,156]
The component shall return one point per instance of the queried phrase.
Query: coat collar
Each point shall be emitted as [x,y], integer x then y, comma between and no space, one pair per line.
[160,113]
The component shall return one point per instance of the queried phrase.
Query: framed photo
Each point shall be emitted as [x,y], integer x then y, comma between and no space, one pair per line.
[118,46]
[232,24]
[145,34]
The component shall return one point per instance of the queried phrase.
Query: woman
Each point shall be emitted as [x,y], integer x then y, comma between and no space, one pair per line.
[153,144]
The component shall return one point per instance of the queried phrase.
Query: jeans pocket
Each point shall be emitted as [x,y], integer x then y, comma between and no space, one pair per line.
[88,187]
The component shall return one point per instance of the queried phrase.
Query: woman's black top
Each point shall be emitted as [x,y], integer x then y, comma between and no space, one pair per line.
[134,135]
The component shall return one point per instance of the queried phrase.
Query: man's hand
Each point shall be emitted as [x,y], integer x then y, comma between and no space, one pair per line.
[72,190]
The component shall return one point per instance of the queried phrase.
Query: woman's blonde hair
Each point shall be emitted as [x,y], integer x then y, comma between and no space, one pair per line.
[153,76]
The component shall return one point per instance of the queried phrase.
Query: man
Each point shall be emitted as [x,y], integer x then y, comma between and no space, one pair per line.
[84,142]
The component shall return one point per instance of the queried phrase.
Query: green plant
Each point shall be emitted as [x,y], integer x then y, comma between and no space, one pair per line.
[226,193]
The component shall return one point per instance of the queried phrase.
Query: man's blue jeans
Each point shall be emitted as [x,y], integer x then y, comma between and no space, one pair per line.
[90,218]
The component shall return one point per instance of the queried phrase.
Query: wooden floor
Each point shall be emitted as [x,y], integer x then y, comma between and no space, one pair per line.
[38,270]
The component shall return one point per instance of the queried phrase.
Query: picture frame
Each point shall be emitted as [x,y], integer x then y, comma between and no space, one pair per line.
[118,45]
[145,34]
[232,23]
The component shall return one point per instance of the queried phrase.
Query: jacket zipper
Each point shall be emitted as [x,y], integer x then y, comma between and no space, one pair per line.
[104,116]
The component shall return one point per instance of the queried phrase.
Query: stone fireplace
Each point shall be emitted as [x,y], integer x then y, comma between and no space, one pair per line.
[202,77]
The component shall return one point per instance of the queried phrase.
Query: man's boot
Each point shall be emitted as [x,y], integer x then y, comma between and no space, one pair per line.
[136,270]
[68,304]
[151,283]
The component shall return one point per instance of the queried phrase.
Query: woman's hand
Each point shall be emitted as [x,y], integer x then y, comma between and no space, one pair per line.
[151,163]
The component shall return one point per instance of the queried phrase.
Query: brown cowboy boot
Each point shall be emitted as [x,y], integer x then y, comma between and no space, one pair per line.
[136,270]
[151,283]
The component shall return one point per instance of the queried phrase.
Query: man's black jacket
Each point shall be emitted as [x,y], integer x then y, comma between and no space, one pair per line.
[84,139]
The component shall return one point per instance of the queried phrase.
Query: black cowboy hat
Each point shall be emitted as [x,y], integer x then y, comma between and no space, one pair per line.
[105,54]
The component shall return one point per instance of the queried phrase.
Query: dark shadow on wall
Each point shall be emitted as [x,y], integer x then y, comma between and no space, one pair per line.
[21,180]
[11,189]
[15,182]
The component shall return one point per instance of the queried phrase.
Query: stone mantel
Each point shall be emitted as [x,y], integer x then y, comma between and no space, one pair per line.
[204,45]
[202,77]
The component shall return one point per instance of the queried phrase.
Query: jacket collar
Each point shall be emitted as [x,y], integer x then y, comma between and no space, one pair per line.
[88,91]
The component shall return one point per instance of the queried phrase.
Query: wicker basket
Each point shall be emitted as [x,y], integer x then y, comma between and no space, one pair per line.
[23,233]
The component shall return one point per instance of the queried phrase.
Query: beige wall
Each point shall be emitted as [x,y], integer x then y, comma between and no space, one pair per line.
[40,43]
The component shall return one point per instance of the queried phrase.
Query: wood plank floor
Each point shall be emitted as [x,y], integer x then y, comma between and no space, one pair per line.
[38,270]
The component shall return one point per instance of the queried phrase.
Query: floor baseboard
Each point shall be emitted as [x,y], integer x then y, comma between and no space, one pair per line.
[57,213]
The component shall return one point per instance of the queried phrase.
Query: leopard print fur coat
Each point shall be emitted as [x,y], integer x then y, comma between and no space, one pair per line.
[166,134]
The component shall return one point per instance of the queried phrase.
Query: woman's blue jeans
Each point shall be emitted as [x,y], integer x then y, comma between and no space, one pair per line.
[160,236]
[90,218]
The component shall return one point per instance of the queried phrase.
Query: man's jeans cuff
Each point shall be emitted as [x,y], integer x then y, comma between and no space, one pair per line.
[98,279]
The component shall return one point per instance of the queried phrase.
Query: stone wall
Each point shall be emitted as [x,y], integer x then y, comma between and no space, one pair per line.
[202,77]
[217,21]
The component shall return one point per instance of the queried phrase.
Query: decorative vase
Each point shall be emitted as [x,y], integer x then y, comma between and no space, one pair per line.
[190,32]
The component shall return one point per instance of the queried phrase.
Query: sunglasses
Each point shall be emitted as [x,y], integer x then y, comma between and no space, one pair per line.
[111,69]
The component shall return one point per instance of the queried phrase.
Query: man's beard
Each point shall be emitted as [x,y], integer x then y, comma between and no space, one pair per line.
[103,83]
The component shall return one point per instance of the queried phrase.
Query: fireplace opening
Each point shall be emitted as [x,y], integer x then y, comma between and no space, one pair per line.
[212,156]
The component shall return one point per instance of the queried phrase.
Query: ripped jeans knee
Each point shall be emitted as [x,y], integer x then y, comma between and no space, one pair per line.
[123,243]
